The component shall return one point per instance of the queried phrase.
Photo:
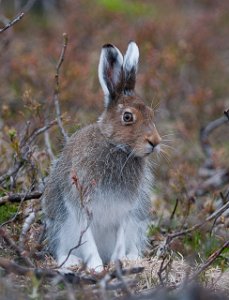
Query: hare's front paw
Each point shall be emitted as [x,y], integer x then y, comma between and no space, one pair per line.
[95,264]
[70,262]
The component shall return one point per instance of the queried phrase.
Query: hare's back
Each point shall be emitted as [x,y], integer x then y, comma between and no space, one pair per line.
[84,144]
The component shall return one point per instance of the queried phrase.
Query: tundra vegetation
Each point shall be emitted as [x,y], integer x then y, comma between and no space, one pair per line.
[49,89]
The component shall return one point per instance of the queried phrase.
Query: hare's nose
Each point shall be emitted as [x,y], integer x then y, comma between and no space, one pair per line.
[153,139]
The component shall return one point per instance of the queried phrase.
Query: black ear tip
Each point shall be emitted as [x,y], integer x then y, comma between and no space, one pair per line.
[108,46]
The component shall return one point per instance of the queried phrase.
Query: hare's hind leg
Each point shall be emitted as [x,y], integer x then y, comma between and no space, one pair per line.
[127,242]
[120,245]
[89,252]
[68,238]
[73,235]
[136,240]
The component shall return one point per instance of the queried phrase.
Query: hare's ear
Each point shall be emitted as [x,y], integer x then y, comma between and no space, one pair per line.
[110,72]
[130,66]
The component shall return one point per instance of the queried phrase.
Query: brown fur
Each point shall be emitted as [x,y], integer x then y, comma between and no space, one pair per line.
[143,130]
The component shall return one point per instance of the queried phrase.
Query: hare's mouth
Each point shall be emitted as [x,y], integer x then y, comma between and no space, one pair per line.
[150,148]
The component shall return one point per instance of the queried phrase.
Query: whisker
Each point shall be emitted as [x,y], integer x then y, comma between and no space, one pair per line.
[154,163]
[128,157]
[164,152]
[167,140]
[167,146]
[152,103]
[169,134]
[165,157]
[156,106]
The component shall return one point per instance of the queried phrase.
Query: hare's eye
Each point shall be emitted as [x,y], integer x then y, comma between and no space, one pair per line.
[128,117]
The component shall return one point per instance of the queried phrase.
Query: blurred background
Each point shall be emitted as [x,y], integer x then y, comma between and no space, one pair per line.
[183,73]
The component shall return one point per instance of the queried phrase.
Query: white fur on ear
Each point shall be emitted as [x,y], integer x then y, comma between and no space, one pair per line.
[109,70]
[131,57]
[102,62]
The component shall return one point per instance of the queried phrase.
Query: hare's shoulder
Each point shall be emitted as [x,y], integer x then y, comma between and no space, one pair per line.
[86,135]
[85,143]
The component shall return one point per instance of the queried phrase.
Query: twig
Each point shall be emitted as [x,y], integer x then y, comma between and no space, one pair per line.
[118,268]
[75,247]
[162,268]
[12,267]
[19,251]
[18,197]
[164,246]
[25,228]
[216,214]
[134,270]
[48,146]
[122,286]
[209,261]
[205,132]
[173,214]
[105,281]
[218,178]
[38,131]
[20,15]
[12,172]
[77,278]
[25,144]
[174,209]
[160,271]
[18,209]
[215,177]
[11,23]
[57,87]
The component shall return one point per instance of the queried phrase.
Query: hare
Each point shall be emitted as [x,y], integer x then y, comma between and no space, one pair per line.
[114,154]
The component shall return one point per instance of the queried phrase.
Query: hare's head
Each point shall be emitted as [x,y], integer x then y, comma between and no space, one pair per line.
[126,122]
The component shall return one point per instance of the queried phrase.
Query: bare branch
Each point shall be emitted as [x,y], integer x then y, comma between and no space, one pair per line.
[163,268]
[25,228]
[174,210]
[219,178]
[215,178]
[12,267]
[12,172]
[216,214]
[48,146]
[18,209]
[25,144]
[105,281]
[19,197]
[15,247]
[38,131]
[75,247]
[134,270]
[210,260]
[11,23]
[57,87]
[118,268]
[204,135]
[164,246]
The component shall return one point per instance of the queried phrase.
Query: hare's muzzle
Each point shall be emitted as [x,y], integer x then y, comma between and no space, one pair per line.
[153,138]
